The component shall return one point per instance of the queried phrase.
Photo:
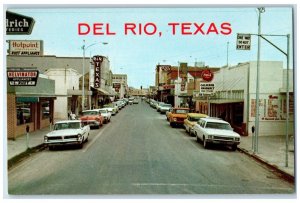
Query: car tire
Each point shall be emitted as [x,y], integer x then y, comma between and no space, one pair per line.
[234,147]
[172,124]
[205,144]
[80,145]
[197,138]
[51,148]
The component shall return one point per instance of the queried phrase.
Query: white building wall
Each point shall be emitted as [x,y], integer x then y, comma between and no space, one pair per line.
[64,79]
[272,79]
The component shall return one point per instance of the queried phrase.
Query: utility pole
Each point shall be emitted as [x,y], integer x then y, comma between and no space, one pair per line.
[260,10]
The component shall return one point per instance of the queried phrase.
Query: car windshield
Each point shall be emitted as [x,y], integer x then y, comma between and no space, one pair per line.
[181,111]
[63,126]
[103,111]
[88,113]
[221,126]
[166,105]
[195,118]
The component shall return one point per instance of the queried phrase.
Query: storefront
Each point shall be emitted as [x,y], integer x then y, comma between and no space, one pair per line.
[29,106]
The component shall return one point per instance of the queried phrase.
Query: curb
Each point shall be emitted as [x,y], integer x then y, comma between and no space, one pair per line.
[290,178]
[22,156]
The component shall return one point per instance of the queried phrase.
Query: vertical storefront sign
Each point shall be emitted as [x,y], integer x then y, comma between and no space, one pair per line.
[97,66]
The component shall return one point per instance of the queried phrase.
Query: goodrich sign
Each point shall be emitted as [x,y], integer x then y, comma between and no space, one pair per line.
[17,24]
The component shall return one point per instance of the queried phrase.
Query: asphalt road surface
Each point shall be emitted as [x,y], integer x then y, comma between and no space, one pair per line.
[139,153]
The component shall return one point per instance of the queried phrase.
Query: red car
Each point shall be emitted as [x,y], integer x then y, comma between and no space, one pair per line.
[93,118]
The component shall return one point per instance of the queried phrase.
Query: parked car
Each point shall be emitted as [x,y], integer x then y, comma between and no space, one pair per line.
[130,100]
[106,114]
[158,104]
[176,116]
[216,131]
[69,132]
[163,108]
[92,118]
[135,101]
[191,120]
[114,107]
[153,103]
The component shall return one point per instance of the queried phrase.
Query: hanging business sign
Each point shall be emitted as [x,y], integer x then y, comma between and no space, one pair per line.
[243,41]
[97,70]
[25,47]
[22,77]
[207,88]
[17,24]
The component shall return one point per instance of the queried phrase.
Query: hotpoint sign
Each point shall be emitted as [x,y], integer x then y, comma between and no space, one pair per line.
[17,24]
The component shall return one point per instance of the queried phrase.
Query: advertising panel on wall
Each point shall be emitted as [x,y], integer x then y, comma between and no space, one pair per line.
[26,47]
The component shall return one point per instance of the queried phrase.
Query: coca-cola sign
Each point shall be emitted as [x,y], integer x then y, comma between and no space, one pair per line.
[207,75]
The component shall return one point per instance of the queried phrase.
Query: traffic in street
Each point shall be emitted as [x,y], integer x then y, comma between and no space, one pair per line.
[138,152]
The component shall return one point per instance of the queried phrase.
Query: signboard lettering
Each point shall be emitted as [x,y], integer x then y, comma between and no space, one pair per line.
[207,88]
[18,77]
[17,24]
[97,66]
[243,42]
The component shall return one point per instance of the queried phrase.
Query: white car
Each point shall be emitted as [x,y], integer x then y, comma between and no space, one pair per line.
[163,108]
[106,114]
[216,131]
[67,132]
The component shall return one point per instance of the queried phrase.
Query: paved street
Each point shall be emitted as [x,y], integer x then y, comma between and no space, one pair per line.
[139,153]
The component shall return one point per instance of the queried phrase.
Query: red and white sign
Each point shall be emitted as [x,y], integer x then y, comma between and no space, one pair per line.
[207,75]
[25,47]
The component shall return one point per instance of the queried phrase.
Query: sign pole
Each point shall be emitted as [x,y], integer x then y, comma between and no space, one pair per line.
[287,104]
[260,10]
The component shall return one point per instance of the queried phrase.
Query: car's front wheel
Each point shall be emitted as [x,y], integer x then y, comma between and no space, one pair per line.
[234,147]
[205,143]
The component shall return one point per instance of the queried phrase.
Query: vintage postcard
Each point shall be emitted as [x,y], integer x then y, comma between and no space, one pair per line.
[150,100]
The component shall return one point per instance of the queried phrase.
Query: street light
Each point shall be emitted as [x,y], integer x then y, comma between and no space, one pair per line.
[84,48]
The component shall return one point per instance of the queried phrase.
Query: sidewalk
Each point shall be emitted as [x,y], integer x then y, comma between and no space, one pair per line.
[271,149]
[18,146]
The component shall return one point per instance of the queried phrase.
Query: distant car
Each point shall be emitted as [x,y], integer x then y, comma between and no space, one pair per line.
[135,101]
[216,131]
[92,118]
[114,107]
[176,116]
[163,108]
[106,114]
[191,120]
[158,104]
[69,132]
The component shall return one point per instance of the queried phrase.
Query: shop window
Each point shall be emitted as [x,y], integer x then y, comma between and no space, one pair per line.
[45,109]
[24,113]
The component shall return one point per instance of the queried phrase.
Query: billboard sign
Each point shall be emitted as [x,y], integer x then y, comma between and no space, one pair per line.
[25,47]
[22,77]
[17,24]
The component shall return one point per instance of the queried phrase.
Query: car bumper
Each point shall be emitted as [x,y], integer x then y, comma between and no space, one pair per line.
[91,123]
[59,143]
[223,142]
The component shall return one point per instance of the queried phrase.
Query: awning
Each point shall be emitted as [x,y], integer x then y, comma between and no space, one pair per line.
[225,101]
[71,92]
[102,91]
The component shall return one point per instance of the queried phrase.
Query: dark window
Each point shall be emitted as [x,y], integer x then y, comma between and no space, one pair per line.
[24,113]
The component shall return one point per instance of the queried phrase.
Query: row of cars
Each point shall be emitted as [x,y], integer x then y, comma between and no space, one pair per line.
[76,132]
[208,130]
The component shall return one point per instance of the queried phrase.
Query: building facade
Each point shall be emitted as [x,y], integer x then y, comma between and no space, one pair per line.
[234,97]
[31,106]
[119,82]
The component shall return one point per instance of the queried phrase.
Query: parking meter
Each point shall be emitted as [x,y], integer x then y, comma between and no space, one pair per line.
[27,136]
